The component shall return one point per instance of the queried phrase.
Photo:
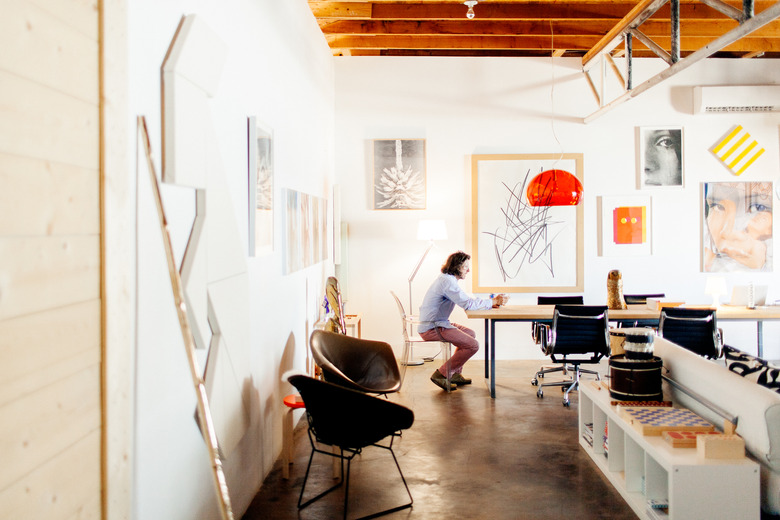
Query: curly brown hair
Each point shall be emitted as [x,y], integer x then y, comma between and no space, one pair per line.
[454,262]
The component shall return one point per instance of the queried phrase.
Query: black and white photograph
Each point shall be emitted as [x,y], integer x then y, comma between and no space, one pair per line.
[399,173]
[660,157]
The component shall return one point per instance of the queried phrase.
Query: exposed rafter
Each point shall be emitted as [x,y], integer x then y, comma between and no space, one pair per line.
[749,24]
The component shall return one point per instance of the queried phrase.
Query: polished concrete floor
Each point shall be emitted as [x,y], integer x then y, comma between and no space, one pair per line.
[466,456]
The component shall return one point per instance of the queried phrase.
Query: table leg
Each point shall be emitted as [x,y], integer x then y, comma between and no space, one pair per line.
[760,338]
[487,346]
[493,359]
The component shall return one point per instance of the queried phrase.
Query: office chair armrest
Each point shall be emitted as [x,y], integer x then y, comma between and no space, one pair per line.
[545,341]
[535,332]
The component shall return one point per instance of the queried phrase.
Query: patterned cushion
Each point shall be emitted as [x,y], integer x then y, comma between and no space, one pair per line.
[752,368]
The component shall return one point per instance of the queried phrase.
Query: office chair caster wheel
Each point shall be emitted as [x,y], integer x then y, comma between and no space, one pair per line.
[539,393]
[534,382]
[566,403]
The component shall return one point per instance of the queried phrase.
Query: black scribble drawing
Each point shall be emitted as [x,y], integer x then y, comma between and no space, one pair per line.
[527,235]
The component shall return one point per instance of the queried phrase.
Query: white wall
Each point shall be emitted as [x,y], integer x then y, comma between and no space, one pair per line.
[278,69]
[464,106]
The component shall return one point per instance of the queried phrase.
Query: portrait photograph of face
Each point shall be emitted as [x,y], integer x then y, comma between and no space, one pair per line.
[660,157]
[737,226]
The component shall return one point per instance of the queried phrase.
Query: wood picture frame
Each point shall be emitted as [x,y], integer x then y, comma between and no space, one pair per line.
[516,247]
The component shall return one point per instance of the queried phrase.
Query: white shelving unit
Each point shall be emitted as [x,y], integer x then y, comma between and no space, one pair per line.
[644,468]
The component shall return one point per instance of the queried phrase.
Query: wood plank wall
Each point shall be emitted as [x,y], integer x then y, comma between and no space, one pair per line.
[50,307]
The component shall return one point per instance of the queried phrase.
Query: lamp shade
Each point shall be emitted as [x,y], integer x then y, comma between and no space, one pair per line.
[715,287]
[554,188]
[432,230]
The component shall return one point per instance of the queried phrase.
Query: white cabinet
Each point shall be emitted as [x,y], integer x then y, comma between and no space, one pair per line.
[644,468]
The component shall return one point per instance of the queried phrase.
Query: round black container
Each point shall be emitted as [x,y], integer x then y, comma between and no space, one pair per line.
[639,343]
[635,379]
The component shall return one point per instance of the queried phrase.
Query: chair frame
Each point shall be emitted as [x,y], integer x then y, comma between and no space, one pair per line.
[411,338]
[347,453]
[537,331]
[549,343]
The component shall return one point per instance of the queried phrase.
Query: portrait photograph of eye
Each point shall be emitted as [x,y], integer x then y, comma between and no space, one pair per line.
[660,157]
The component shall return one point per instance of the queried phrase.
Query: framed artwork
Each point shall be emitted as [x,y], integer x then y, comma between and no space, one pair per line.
[737,150]
[260,146]
[737,227]
[398,167]
[660,157]
[305,230]
[519,245]
[626,225]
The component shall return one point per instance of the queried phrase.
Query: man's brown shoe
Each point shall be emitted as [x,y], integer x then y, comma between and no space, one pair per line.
[441,381]
[458,379]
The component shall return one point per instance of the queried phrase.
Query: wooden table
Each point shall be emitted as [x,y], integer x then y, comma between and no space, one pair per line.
[544,313]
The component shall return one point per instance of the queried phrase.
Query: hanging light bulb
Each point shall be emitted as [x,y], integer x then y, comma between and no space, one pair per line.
[470,12]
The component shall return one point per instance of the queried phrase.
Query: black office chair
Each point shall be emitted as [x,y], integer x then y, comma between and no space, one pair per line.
[638,299]
[579,334]
[359,364]
[693,329]
[350,421]
[552,300]
[641,299]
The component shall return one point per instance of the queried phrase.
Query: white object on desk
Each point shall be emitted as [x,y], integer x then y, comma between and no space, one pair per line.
[740,295]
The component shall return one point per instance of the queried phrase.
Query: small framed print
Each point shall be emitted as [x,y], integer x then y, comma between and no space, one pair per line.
[660,158]
[626,225]
[398,167]
[260,145]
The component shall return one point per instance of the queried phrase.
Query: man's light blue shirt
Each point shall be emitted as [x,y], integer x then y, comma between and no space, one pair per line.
[440,300]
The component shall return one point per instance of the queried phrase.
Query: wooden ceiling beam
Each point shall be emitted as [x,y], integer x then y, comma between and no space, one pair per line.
[579,43]
[725,41]
[491,10]
[713,28]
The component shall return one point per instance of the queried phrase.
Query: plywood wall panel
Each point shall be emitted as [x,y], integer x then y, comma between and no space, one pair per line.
[70,407]
[48,198]
[46,51]
[79,14]
[38,122]
[67,486]
[48,346]
[41,273]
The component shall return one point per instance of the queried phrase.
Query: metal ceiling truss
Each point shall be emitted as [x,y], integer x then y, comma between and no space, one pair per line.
[600,56]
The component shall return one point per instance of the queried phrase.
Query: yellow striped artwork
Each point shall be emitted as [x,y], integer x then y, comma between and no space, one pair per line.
[737,150]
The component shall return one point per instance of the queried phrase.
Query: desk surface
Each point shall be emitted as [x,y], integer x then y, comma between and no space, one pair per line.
[634,312]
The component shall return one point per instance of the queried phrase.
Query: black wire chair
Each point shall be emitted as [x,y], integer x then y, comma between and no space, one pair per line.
[350,421]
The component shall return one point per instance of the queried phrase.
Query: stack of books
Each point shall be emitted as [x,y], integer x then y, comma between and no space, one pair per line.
[587,433]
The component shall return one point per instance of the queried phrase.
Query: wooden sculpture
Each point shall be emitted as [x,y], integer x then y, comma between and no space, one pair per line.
[615,298]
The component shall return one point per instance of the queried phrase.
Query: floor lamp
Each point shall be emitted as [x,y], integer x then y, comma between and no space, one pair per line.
[429,230]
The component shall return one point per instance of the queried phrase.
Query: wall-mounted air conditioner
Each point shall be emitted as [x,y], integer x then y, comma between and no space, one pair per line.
[736,98]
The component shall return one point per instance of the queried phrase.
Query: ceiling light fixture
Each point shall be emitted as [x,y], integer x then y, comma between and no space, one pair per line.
[470,4]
